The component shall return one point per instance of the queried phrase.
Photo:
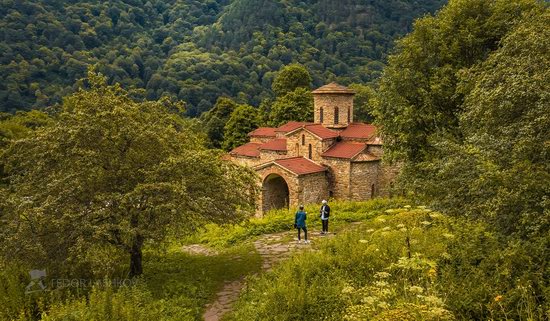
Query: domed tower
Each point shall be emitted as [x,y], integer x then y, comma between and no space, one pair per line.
[333,106]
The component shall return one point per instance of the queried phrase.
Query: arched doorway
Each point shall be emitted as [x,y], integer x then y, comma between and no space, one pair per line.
[275,193]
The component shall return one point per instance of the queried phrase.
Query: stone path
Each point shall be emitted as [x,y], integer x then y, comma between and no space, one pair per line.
[272,248]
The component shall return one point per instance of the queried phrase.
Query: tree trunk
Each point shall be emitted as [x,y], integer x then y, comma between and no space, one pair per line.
[136,267]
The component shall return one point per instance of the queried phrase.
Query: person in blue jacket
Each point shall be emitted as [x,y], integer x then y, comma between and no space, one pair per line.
[300,223]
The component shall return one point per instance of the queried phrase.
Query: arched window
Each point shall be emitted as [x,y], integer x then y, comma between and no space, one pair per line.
[297,149]
[310,151]
[349,115]
[336,115]
[321,115]
[303,139]
[372,191]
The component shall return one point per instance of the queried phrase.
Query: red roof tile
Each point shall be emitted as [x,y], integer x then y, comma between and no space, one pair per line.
[263,132]
[248,149]
[359,130]
[300,165]
[290,126]
[366,157]
[322,131]
[333,88]
[275,144]
[344,150]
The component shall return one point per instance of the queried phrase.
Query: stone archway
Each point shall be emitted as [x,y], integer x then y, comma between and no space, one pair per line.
[275,193]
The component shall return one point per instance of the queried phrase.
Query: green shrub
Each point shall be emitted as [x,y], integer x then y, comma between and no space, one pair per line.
[409,264]
[283,220]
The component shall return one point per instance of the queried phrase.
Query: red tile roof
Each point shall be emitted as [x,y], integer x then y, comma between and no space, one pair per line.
[300,165]
[366,157]
[248,149]
[317,129]
[333,88]
[359,130]
[263,132]
[344,150]
[290,126]
[322,131]
[275,144]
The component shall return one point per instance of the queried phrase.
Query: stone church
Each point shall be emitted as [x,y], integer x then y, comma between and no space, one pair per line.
[333,157]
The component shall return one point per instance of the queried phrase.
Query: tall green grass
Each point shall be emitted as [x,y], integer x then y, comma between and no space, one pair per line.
[409,264]
[342,212]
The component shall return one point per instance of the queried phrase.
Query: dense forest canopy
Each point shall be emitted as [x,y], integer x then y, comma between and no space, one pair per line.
[190,50]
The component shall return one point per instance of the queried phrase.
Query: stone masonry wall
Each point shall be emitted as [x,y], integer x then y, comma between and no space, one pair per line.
[328,102]
[294,144]
[270,155]
[387,176]
[364,176]
[339,176]
[256,139]
[313,188]
[246,161]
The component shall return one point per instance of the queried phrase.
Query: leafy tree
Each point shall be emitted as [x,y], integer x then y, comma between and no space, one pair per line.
[501,173]
[216,119]
[362,106]
[243,120]
[290,78]
[418,91]
[112,172]
[296,105]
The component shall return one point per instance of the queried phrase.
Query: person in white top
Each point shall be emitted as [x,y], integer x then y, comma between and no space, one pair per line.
[325,213]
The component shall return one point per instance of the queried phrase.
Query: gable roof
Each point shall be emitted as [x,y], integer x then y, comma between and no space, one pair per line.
[274,144]
[290,126]
[300,165]
[263,132]
[295,165]
[366,157]
[347,150]
[248,149]
[317,130]
[333,88]
[359,130]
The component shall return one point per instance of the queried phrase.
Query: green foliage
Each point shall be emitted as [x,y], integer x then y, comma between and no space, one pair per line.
[362,105]
[419,96]
[112,172]
[192,50]
[243,120]
[296,105]
[216,119]
[174,286]
[498,170]
[290,78]
[410,264]
[343,212]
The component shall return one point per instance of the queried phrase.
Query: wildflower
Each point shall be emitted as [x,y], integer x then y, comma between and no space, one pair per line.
[416,289]
[387,228]
[382,275]
[435,215]
[400,225]
[370,230]
[381,220]
[448,235]
[348,289]
[407,206]
[432,272]
[383,305]
[368,300]
[498,298]
[363,241]
[403,230]
[425,223]
[421,207]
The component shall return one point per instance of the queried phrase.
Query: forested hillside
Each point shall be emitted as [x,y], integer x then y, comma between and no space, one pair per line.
[191,50]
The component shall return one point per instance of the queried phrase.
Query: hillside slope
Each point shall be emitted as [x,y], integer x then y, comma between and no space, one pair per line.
[192,50]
